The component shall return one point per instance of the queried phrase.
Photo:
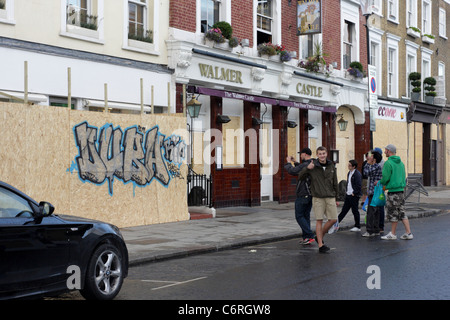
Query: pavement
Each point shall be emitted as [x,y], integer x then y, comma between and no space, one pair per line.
[228,228]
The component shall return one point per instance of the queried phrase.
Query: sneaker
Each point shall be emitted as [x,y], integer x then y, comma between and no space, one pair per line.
[334,228]
[308,241]
[324,249]
[407,236]
[389,236]
[355,229]
[368,235]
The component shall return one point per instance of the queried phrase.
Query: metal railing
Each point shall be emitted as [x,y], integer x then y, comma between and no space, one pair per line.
[199,189]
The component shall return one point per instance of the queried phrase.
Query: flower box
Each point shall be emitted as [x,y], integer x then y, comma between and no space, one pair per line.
[413,33]
[428,39]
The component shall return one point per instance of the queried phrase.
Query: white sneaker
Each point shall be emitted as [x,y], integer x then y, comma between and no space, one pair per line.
[407,236]
[355,229]
[368,235]
[334,228]
[389,236]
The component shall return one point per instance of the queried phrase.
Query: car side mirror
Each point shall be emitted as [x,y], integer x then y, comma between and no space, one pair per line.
[46,208]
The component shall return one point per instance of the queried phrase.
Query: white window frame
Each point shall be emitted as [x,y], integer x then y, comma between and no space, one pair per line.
[350,13]
[72,31]
[376,38]
[411,51]
[392,8]
[441,88]
[442,23]
[7,14]
[224,13]
[276,22]
[377,7]
[426,17]
[150,23]
[411,13]
[392,65]
[425,66]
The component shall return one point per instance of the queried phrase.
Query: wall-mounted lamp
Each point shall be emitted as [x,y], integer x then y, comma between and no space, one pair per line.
[222,119]
[193,107]
[256,121]
[291,124]
[309,126]
[342,123]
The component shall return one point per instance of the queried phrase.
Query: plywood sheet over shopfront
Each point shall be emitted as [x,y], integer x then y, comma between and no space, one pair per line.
[123,169]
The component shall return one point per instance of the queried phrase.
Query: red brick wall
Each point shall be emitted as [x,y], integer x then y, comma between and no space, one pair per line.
[182,14]
[331,31]
[242,19]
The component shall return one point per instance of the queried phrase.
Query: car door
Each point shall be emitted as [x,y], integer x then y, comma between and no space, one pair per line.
[34,256]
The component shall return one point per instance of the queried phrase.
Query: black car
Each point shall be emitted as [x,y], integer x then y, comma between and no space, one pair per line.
[45,254]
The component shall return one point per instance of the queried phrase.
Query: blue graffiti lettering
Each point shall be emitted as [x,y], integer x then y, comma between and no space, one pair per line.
[127,155]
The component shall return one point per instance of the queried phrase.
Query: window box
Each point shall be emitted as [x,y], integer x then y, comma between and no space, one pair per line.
[141,45]
[413,32]
[427,38]
[84,32]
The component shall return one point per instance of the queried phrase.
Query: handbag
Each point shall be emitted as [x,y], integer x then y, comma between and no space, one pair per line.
[379,198]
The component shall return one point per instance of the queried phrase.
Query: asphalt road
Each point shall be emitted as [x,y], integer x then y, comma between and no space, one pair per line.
[356,268]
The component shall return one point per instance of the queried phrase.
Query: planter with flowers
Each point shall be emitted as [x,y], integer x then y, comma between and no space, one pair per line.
[266,50]
[356,71]
[316,63]
[213,36]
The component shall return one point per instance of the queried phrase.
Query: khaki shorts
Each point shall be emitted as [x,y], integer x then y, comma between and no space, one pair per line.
[324,208]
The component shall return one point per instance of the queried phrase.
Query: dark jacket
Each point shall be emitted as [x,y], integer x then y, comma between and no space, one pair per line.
[324,183]
[356,183]
[303,185]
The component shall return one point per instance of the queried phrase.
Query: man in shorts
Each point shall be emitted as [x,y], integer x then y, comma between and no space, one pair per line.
[394,181]
[324,191]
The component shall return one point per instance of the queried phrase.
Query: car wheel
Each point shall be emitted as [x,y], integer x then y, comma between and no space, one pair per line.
[104,276]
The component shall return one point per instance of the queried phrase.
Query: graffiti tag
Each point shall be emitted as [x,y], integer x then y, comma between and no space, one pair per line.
[131,156]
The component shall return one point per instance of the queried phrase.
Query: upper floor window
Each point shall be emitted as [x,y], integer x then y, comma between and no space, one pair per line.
[377,7]
[138,21]
[392,65]
[349,39]
[264,21]
[209,14]
[426,17]
[442,23]
[82,19]
[7,11]
[392,7]
[140,32]
[411,13]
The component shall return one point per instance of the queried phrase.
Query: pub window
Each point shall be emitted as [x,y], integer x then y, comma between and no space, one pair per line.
[306,46]
[349,38]
[264,21]
[209,14]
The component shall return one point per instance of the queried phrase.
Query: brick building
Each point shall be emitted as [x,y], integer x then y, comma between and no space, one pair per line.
[255,110]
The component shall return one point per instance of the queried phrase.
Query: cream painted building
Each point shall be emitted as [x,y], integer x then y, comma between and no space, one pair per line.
[115,51]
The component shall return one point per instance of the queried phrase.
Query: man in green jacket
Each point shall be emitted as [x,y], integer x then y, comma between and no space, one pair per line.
[324,191]
[394,181]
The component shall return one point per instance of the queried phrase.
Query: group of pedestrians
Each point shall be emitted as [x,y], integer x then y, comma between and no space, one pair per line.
[317,189]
